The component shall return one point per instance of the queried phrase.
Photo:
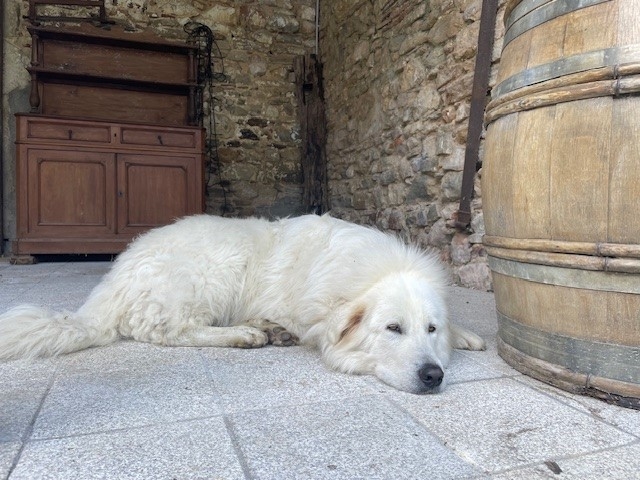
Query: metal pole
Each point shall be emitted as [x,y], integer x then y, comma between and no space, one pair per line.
[476,114]
[317,25]
[1,125]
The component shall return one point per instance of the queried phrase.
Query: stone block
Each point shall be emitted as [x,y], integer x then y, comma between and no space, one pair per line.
[477,223]
[447,26]
[460,249]
[412,41]
[451,186]
[453,161]
[283,24]
[396,221]
[444,143]
[417,191]
[258,67]
[471,11]
[387,177]
[423,164]
[427,99]
[412,75]
[439,235]
[397,194]
[306,12]
[220,15]
[475,275]
[362,200]
[466,42]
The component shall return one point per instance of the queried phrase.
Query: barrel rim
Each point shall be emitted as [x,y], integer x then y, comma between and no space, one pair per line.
[538,13]
[614,361]
[618,393]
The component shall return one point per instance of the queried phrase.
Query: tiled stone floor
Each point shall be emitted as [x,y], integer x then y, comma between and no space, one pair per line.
[136,411]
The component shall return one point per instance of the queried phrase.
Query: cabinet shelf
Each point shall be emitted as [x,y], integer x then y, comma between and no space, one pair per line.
[113,75]
[120,82]
[113,36]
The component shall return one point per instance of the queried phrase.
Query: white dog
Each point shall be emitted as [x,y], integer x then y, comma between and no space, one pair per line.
[371,304]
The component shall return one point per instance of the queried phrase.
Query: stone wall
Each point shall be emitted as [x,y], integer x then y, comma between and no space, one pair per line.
[398,77]
[398,80]
[255,105]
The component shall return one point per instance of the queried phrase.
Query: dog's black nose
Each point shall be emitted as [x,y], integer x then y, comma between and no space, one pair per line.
[431,375]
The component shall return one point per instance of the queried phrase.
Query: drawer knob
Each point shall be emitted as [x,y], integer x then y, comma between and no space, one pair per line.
[160,140]
[70,134]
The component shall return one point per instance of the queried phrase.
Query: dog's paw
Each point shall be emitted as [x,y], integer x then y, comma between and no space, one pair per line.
[463,339]
[475,343]
[277,334]
[280,337]
[250,337]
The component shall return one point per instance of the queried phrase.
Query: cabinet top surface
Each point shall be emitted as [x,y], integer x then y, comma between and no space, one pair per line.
[114,35]
[30,117]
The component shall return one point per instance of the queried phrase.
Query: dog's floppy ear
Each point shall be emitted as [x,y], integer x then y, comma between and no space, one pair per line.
[352,323]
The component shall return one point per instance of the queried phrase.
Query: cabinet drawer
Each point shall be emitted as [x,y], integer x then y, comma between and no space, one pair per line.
[67,131]
[158,137]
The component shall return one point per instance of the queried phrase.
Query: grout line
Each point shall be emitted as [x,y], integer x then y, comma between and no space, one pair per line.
[228,423]
[237,448]
[488,379]
[481,471]
[564,400]
[562,458]
[124,429]
[29,430]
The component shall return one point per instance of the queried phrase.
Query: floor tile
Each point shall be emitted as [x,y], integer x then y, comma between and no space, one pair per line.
[622,463]
[625,419]
[364,438]
[199,449]
[100,401]
[20,400]
[8,452]
[128,354]
[276,376]
[499,424]
[468,308]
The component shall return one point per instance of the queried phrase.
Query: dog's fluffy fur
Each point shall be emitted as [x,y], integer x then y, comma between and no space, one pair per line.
[371,304]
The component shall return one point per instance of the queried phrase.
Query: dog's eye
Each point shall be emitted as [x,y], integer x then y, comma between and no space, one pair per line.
[394,327]
[431,329]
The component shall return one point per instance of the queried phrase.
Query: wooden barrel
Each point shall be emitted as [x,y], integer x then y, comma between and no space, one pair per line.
[561,194]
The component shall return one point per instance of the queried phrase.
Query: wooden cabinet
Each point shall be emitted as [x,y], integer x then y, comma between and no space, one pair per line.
[112,145]
[90,187]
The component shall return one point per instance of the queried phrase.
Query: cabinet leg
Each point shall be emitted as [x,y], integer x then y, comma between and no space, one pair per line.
[23,260]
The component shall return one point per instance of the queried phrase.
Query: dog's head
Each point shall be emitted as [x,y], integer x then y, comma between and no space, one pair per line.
[399,332]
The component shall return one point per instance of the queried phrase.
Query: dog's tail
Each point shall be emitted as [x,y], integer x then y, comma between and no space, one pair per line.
[28,331]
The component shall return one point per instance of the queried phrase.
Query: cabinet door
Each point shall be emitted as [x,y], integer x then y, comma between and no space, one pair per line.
[155,190]
[69,193]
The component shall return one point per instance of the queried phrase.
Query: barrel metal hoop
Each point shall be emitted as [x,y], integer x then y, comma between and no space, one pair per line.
[612,361]
[534,16]
[608,57]
[567,277]
[522,9]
